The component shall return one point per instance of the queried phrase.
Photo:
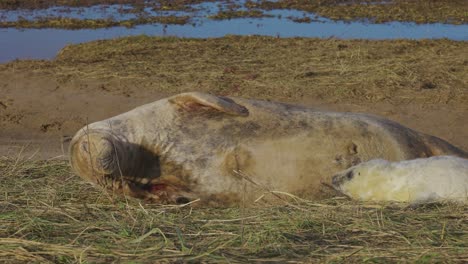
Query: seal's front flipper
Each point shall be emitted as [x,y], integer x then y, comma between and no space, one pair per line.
[195,101]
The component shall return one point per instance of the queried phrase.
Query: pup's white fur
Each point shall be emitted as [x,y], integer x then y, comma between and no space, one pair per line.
[439,178]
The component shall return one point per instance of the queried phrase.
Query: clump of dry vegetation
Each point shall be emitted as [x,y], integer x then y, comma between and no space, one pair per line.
[49,215]
[161,4]
[74,23]
[230,14]
[303,19]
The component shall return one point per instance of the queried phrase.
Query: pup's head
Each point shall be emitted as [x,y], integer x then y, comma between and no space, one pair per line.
[363,181]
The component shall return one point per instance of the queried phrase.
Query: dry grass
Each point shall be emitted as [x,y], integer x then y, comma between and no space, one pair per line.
[47,214]
[331,70]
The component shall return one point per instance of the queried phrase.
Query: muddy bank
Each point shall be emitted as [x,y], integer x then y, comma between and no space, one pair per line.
[377,11]
[422,84]
[158,4]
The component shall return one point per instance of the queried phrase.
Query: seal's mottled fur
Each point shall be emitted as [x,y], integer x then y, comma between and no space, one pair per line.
[196,145]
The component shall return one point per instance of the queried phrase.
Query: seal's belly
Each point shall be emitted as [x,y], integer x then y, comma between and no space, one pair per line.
[296,164]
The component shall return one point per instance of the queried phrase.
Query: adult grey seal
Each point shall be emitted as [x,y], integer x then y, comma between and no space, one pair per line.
[196,145]
[434,179]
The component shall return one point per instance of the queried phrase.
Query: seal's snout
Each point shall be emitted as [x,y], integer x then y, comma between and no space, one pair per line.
[336,180]
[340,178]
[93,155]
[100,152]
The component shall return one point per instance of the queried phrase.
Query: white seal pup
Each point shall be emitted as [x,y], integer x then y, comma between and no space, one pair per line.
[197,145]
[434,179]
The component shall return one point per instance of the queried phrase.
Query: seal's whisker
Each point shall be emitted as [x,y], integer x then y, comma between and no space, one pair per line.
[265,188]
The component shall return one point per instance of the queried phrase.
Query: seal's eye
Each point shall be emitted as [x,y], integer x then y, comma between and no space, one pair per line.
[350,175]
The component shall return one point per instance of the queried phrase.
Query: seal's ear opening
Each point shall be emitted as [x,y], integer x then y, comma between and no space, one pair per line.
[197,101]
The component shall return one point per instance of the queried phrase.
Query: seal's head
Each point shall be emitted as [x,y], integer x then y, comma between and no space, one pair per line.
[94,155]
[365,181]
[116,165]
[151,151]
[97,156]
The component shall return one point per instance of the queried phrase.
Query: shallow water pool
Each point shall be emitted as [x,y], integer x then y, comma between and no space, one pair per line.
[45,43]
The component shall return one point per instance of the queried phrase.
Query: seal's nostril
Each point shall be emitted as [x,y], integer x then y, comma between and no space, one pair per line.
[335,180]
[84,146]
[182,200]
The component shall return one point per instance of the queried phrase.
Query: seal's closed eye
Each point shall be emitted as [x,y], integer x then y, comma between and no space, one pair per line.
[350,175]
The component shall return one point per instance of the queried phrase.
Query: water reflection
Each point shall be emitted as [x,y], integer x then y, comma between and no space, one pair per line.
[45,43]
